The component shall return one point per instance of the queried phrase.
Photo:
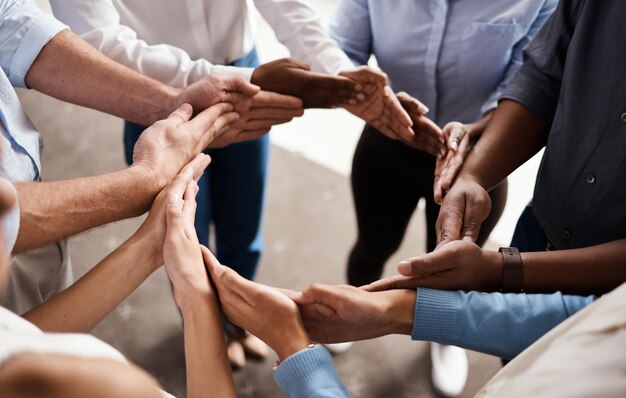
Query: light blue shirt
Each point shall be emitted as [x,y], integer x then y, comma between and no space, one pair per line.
[24,31]
[455,56]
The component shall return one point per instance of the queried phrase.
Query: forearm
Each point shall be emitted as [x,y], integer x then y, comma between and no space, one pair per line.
[83,305]
[512,136]
[494,323]
[71,70]
[477,128]
[208,370]
[591,270]
[51,211]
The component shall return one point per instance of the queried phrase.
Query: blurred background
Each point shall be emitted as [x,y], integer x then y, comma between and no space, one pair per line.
[309,228]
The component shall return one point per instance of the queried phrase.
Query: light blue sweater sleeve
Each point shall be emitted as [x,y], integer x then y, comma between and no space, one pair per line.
[310,374]
[493,323]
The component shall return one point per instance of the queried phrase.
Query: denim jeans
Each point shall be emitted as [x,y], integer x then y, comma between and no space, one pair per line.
[231,195]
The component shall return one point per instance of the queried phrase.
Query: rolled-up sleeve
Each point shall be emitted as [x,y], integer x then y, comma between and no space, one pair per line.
[494,323]
[538,82]
[24,31]
[310,374]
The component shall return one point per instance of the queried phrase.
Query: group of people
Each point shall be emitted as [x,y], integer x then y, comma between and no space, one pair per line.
[469,90]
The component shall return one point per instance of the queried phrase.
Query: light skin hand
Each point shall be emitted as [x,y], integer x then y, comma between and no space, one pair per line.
[428,136]
[380,107]
[335,314]
[448,166]
[459,265]
[268,109]
[166,146]
[316,90]
[264,311]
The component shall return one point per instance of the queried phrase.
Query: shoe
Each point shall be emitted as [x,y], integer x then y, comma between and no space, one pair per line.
[338,348]
[449,369]
[254,347]
[236,354]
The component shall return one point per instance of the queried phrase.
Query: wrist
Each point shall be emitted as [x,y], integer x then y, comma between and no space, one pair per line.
[400,310]
[494,263]
[193,303]
[288,346]
[170,101]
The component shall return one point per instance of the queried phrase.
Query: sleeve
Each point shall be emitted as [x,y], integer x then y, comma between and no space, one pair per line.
[24,31]
[538,82]
[517,54]
[495,323]
[98,22]
[299,28]
[350,28]
[310,374]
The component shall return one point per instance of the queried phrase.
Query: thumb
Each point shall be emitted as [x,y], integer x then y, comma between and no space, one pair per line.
[426,264]
[174,214]
[212,264]
[182,114]
[239,84]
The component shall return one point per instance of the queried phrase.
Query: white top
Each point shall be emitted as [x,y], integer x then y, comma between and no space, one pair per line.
[178,41]
[18,336]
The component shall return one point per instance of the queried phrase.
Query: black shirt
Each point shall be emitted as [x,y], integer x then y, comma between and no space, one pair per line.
[574,81]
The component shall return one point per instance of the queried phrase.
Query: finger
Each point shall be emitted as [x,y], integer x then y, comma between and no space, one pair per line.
[452,170]
[199,164]
[181,115]
[220,127]
[412,105]
[259,124]
[239,84]
[292,294]
[262,113]
[189,208]
[426,264]
[476,211]
[204,120]
[456,136]
[391,283]
[213,266]
[449,222]
[275,100]
[428,128]
[395,107]
[241,103]
[174,217]
[322,294]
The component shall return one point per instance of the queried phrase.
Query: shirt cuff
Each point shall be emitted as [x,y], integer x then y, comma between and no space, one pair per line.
[491,103]
[246,73]
[42,30]
[435,317]
[307,373]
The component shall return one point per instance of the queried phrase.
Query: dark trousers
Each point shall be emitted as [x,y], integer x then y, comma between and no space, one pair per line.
[388,180]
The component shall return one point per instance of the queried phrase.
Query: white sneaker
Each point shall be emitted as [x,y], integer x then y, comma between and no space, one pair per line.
[338,348]
[449,369]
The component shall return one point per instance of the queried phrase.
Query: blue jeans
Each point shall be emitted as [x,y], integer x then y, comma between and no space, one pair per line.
[231,195]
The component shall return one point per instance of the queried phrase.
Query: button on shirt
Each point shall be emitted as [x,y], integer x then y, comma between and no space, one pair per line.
[574,81]
[456,56]
[24,30]
[178,41]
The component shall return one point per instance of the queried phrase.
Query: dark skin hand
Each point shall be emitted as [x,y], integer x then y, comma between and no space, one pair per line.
[316,90]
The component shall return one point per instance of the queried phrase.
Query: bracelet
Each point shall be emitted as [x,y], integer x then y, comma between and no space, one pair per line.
[512,270]
[277,363]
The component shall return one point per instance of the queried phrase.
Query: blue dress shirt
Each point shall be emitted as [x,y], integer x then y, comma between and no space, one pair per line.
[455,56]
[24,31]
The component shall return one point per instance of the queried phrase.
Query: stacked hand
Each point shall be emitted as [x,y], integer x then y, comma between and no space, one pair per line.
[316,90]
[380,107]
[457,138]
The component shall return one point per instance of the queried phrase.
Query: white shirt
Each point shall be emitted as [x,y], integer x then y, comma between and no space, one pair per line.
[178,41]
[18,336]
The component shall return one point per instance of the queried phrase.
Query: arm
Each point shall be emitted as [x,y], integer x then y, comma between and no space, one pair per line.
[84,304]
[462,265]
[350,28]
[299,28]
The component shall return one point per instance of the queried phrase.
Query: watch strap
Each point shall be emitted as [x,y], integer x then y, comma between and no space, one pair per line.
[512,271]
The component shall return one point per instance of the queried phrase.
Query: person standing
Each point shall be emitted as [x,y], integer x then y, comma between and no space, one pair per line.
[456,57]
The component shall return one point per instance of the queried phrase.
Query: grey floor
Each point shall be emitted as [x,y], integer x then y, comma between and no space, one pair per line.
[309,227]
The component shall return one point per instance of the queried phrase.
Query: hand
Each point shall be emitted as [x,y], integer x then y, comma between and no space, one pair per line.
[334,314]
[166,146]
[181,249]
[459,265]
[316,90]
[213,89]
[448,166]
[263,311]
[380,108]
[462,212]
[154,227]
[428,136]
[268,109]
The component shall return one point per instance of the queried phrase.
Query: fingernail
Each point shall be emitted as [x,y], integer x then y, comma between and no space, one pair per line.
[185,109]
[360,96]
[404,267]
[468,238]
[423,109]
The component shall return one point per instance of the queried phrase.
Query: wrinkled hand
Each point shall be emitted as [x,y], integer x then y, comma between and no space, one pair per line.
[380,107]
[334,314]
[459,265]
[181,249]
[465,207]
[428,136]
[154,227]
[458,145]
[213,89]
[316,90]
[262,310]
[166,146]
[268,109]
